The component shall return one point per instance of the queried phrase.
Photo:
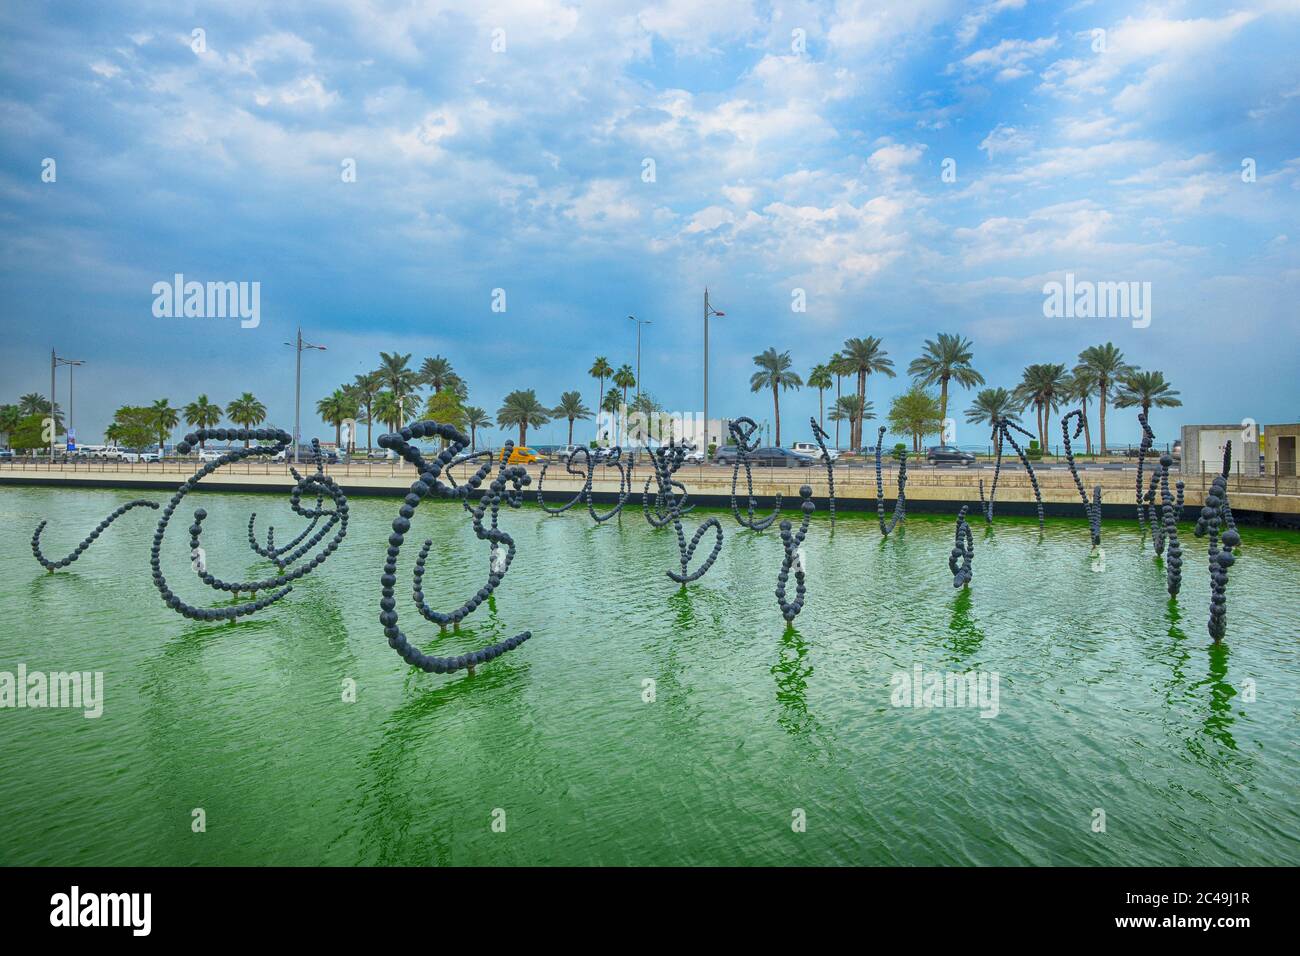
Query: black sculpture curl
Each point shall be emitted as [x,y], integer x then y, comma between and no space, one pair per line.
[1169,531]
[900,503]
[666,460]
[1090,508]
[514,476]
[588,474]
[963,551]
[87,541]
[584,474]
[1218,511]
[1148,437]
[319,484]
[741,436]
[298,546]
[791,543]
[1003,427]
[667,506]
[820,434]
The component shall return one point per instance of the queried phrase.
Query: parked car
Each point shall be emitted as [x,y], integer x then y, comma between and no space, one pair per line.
[769,457]
[208,454]
[519,455]
[814,451]
[948,453]
[694,455]
[6,452]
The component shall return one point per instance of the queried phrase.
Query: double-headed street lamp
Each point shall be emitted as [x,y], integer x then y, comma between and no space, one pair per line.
[55,362]
[639,323]
[297,386]
[709,311]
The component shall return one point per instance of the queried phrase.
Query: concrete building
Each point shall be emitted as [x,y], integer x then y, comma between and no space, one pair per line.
[1280,449]
[1203,448]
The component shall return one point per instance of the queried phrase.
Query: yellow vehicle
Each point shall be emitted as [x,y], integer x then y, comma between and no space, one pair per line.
[520,455]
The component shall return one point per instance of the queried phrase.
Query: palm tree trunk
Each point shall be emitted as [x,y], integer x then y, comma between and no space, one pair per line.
[338,434]
[1087,429]
[570,431]
[821,408]
[523,433]
[943,403]
[838,381]
[862,408]
[776,408]
[1101,398]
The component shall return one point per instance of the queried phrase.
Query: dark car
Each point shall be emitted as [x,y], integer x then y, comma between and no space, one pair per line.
[949,453]
[771,457]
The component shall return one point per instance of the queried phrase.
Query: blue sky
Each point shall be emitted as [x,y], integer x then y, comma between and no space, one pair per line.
[776,169]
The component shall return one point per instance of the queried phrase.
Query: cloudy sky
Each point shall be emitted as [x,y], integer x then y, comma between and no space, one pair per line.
[505,145]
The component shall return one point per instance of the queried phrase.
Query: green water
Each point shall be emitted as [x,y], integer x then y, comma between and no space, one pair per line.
[1110,697]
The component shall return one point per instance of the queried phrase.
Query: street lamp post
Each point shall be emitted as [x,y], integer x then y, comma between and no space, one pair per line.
[708,312]
[297,387]
[639,323]
[55,362]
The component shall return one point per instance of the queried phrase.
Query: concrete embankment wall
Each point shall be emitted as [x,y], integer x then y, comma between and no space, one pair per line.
[930,490]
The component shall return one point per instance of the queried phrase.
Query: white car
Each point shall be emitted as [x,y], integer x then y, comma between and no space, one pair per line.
[814,450]
[208,454]
[694,455]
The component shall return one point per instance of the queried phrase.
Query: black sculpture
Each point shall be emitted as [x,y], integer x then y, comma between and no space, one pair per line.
[1215,513]
[791,543]
[319,484]
[963,551]
[1169,531]
[900,503]
[1090,508]
[742,429]
[666,460]
[820,434]
[87,541]
[429,481]
[1003,427]
[1148,437]
[588,474]
[667,505]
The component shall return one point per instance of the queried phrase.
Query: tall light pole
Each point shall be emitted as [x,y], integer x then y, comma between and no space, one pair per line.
[55,362]
[708,312]
[67,428]
[297,387]
[639,323]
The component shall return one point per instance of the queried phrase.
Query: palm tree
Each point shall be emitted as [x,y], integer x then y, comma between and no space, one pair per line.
[571,407]
[1080,387]
[164,419]
[203,413]
[34,403]
[774,373]
[820,379]
[522,408]
[334,408]
[476,418]
[388,409]
[1147,389]
[1041,385]
[1107,363]
[624,378]
[846,409]
[990,406]
[600,370]
[398,379]
[246,411]
[915,412]
[947,358]
[365,388]
[838,368]
[861,358]
[437,373]
[9,419]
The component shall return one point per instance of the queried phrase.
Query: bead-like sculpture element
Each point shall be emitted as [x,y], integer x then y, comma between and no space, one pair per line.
[963,551]
[287,554]
[1215,513]
[666,460]
[742,429]
[667,505]
[1004,427]
[900,503]
[1148,437]
[588,475]
[1169,532]
[1090,508]
[794,559]
[429,481]
[820,434]
[319,484]
[87,541]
